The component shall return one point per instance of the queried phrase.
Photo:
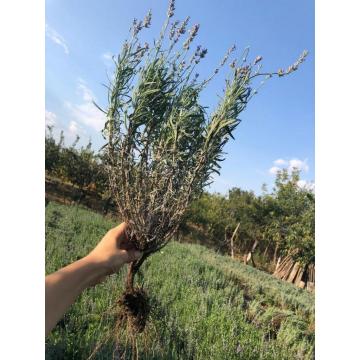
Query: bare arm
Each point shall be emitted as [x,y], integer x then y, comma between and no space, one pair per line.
[63,287]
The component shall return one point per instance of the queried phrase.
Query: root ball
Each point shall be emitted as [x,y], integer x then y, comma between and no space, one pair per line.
[134,309]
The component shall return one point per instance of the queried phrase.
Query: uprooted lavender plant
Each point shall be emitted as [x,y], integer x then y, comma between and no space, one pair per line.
[162,145]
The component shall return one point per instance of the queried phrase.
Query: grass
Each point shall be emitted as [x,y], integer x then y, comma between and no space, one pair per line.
[205,306]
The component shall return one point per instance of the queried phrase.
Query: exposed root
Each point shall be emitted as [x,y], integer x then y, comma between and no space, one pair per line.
[134,310]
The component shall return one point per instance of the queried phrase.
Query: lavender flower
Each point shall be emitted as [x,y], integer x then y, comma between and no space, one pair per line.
[183,25]
[182,65]
[199,54]
[193,32]
[233,64]
[173,29]
[203,53]
[147,19]
[242,71]
[137,26]
[296,64]
[171,9]
[230,50]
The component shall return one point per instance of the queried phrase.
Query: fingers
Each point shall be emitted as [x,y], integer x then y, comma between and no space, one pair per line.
[120,229]
[121,237]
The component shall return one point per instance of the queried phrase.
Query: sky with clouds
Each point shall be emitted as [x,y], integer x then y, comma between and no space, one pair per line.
[277,128]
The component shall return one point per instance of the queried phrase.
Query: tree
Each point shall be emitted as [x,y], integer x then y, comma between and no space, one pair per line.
[292,224]
[52,151]
[82,167]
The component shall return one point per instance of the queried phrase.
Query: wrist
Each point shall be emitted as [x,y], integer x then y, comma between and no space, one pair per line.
[94,271]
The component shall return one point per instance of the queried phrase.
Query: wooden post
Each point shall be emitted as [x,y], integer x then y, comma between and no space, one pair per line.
[275,253]
[299,275]
[301,285]
[310,286]
[284,267]
[232,240]
[249,255]
[294,272]
[266,250]
[232,247]
[277,264]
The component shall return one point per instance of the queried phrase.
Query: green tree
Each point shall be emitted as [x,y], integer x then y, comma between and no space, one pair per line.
[78,165]
[52,151]
[291,225]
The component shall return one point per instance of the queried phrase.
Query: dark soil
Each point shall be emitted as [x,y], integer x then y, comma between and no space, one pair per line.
[134,310]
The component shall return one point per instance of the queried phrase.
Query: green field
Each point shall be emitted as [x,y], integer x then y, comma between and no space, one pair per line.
[204,305]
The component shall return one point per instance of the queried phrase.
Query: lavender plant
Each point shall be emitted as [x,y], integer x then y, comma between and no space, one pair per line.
[162,145]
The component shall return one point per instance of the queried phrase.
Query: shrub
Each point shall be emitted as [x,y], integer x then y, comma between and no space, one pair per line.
[162,145]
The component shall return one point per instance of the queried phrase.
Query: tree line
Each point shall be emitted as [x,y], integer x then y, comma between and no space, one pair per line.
[272,225]
[80,166]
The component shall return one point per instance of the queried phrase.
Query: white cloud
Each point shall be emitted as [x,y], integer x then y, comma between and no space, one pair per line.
[308,185]
[70,130]
[274,170]
[86,112]
[56,38]
[107,56]
[298,164]
[84,91]
[50,118]
[290,165]
[73,128]
[280,162]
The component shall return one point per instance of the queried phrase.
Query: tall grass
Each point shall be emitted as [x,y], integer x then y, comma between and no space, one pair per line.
[205,306]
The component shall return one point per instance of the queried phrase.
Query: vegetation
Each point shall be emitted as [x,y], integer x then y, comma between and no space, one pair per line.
[81,167]
[279,223]
[162,146]
[204,305]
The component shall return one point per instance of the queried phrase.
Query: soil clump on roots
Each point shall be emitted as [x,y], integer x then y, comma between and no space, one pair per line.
[134,310]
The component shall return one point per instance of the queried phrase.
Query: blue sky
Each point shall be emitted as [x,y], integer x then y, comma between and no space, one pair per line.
[277,128]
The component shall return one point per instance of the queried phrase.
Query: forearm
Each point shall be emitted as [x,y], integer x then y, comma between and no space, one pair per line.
[64,286]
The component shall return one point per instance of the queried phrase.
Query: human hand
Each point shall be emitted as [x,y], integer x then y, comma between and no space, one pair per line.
[63,286]
[114,250]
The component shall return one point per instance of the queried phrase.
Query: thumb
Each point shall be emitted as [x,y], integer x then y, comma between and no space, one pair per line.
[120,229]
